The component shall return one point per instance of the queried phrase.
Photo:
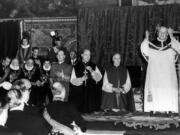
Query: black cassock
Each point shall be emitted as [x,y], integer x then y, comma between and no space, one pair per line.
[26,123]
[13,75]
[65,113]
[86,97]
[2,69]
[33,76]
[8,131]
[45,91]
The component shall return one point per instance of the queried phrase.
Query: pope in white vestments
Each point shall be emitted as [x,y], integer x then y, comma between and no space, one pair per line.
[161,85]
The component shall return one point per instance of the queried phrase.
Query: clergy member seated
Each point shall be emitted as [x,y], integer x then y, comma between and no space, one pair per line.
[116,85]
[62,116]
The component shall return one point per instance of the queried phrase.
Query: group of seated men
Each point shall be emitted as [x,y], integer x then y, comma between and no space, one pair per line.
[19,118]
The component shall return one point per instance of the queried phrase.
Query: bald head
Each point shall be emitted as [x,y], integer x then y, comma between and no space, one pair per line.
[58,91]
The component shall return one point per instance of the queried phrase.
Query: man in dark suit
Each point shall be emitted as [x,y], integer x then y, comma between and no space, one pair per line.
[66,114]
[19,120]
[3,118]
[24,86]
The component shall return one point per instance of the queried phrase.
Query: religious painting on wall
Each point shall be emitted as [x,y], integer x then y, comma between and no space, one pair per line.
[39,30]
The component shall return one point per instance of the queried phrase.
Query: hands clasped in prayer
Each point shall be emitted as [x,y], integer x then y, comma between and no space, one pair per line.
[118,90]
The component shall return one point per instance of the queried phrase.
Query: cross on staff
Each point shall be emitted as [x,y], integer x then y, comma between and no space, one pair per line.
[85,74]
[118,95]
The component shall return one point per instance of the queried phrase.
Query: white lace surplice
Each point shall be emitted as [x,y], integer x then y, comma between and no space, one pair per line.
[161,78]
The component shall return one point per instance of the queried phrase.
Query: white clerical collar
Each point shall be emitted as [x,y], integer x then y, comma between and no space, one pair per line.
[58,98]
[25,46]
[160,40]
[46,69]
[60,62]
[14,67]
[85,62]
[28,68]
[73,60]
[116,66]
[20,107]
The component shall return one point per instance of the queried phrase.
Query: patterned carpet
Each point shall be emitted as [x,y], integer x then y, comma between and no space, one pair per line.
[134,123]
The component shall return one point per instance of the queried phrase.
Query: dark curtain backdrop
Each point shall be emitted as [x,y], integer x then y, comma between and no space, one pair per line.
[121,29]
[9,38]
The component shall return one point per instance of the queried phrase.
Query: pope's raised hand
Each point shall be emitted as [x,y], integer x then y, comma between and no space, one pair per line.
[170,32]
[147,34]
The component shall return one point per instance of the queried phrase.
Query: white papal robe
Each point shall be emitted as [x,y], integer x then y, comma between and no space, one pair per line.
[161,86]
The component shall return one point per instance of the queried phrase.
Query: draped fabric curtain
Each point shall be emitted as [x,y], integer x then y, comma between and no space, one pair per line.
[121,29]
[9,38]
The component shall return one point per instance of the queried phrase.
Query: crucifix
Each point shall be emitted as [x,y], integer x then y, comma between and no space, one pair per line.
[85,74]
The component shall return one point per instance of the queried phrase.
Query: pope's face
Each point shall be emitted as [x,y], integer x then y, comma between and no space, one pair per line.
[163,33]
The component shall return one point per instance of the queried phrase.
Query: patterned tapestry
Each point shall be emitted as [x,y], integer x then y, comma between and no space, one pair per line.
[39,30]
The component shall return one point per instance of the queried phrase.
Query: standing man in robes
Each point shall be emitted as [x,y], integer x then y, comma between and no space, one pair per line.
[85,76]
[24,51]
[35,56]
[161,86]
[116,85]
[61,72]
